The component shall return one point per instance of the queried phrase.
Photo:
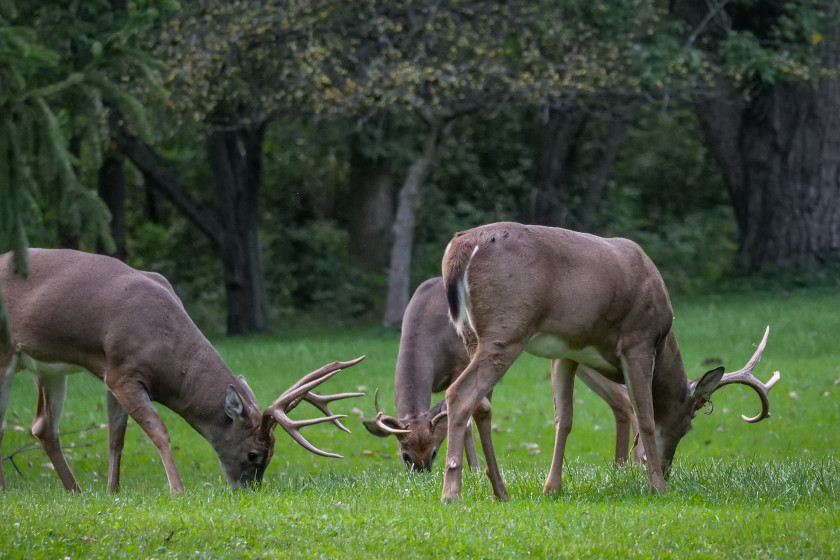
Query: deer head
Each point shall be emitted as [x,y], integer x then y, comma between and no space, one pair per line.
[419,438]
[249,445]
[675,415]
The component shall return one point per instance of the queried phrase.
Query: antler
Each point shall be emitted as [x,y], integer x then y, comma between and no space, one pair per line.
[277,413]
[746,377]
[381,416]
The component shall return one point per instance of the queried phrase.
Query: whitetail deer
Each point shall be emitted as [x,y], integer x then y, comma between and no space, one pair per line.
[84,312]
[431,356]
[581,299]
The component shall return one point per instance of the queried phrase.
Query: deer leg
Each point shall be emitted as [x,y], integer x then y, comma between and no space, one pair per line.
[117,422]
[637,364]
[8,363]
[138,405]
[638,447]
[462,398]
[618,400]
[469,449]
[484,423]
[563,386]
[52,389]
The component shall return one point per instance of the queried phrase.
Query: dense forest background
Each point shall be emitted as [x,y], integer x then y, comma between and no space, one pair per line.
[284,160]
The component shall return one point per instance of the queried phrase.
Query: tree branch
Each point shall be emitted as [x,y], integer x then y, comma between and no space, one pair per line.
[160,178]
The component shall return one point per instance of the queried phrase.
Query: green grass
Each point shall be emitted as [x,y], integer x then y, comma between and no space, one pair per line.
[767,490]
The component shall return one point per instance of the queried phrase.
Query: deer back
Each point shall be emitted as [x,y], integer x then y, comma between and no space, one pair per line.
[517,281]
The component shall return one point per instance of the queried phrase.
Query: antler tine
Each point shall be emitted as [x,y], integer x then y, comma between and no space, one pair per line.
[381,415]
[321,402]
[745,376]
[278,412]
[292,396]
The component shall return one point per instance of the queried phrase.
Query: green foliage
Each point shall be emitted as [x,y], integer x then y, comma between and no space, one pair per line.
[310,271]
[776,481]
[58,79]
[771,41]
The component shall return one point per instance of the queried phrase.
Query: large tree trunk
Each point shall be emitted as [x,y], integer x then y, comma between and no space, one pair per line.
[232,228]
[235,157]
[781,159]
[554,158]
[369,208]
[408,203]
[779,150]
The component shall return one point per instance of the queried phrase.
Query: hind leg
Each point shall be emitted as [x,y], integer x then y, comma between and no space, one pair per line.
[52,389]
[117,422]
[486,368]
[8,364]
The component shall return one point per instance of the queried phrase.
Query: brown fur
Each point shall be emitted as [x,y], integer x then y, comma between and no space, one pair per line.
[602,298]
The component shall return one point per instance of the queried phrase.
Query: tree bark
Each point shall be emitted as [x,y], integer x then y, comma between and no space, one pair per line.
[235,157]
[232,227]
[554,162]
[369,208]
[780,154]
[408,202]
[779,149]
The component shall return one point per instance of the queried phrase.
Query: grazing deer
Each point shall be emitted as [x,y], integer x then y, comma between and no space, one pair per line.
[580,299]
[430,358]
[84,312]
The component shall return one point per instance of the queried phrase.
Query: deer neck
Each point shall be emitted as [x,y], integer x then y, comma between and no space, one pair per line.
[198,395]
[412,386]
[670,384]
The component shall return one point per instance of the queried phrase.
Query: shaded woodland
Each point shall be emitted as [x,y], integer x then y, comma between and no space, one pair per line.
[282,159]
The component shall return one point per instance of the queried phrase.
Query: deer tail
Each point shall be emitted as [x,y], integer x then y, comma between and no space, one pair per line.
[456,261]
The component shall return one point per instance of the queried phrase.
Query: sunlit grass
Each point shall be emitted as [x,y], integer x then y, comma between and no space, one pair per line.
[767,490]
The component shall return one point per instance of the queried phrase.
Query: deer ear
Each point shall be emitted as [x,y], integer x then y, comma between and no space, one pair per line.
[234,407]
[373,428]
[703,388]
[376,429]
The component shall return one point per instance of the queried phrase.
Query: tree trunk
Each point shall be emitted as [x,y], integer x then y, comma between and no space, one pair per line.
[370,210]
[779,150]
[781,159]
[554,161]
[235,157]
[112,191]
[408,203]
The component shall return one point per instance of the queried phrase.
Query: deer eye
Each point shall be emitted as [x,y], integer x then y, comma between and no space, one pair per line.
[252,456]
[406,458]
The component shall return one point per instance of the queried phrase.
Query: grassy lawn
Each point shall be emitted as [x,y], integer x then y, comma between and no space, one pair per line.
[768,490]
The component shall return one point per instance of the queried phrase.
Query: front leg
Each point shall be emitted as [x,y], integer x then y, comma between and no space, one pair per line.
[625,419]
[638,373]
[137,403]
[563,386]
